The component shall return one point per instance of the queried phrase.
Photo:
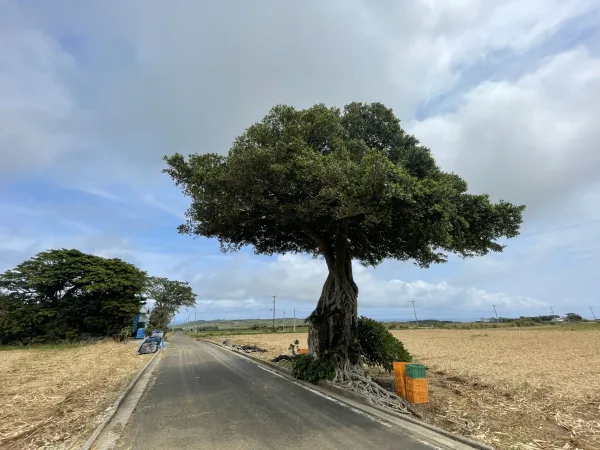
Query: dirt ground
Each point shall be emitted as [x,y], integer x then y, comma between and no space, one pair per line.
[52,397]
[509,388]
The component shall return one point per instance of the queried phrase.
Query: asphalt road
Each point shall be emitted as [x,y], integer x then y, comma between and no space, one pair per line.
[205,397]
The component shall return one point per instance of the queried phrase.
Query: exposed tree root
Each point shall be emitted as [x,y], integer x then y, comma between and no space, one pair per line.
[356,380]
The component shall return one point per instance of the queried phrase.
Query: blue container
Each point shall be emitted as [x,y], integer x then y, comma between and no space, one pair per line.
[140,333]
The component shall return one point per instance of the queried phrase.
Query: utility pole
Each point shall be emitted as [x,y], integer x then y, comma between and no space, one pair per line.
[552,309]
[274,297]
[497,319]
[284,320]
[294,320]
[593,315]
[415,311]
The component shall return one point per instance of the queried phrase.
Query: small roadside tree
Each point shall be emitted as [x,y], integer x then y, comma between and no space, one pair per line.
[168,296]
[344,185]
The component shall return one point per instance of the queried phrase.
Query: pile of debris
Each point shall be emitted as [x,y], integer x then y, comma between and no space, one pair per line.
[148,347]
[283,358]
[249,349]
[244,348]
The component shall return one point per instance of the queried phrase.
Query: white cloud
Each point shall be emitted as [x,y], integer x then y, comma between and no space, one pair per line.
[299,279]
[433,42]
[93,97]
[37,108]
[533,142]
[133,81]
[101,193]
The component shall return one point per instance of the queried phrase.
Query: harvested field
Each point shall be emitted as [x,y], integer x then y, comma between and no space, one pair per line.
[53,397]
[509,388]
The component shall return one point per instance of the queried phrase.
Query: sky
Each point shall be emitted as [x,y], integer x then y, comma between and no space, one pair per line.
[504,93]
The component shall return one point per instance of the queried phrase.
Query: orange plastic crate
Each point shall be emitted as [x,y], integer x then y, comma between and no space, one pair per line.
[399,371]
[417,390]
[418,398]
[303,351]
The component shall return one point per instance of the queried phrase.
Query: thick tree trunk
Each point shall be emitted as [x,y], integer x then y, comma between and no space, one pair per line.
[334,322]
[333,326]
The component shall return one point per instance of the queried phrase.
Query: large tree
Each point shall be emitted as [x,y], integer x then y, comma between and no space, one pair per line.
[345,185]
[168,296]
[61,293]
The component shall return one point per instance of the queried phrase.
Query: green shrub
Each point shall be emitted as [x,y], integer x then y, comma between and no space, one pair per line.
[379,346]
[123,334]
[524,323]
[294,347]
[72,335]
[306,367]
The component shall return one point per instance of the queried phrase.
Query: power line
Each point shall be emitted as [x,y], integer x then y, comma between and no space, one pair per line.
[593,315]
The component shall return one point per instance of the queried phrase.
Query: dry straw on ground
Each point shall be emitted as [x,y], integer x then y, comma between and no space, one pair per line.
[52,398]
[510,388]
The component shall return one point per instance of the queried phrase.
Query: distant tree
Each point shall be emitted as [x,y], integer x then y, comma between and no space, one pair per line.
[344,185]
[159,319]
[168,296]
[573,317]
[60,293]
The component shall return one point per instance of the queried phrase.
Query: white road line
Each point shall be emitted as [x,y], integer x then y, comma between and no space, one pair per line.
[334,400]
[428,444]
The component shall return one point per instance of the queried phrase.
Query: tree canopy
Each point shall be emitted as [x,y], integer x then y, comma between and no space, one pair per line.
[573,317]
[347,185]
[64,293]
[168,296]
[298,179]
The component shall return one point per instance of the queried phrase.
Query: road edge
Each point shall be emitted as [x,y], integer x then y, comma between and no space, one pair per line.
[358,398]
[115,406]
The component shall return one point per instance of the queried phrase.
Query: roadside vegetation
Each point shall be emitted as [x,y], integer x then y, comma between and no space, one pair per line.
[168,296]
[67,295]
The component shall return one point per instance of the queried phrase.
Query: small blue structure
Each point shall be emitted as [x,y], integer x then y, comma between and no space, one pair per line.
[139,322]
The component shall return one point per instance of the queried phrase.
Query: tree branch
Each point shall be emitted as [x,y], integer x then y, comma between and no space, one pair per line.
[323,246]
